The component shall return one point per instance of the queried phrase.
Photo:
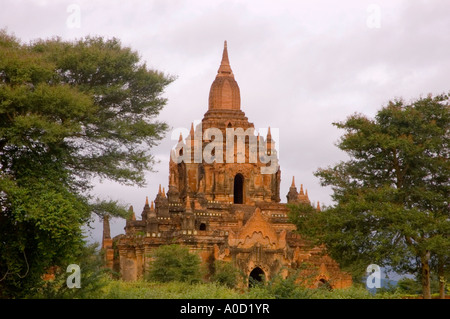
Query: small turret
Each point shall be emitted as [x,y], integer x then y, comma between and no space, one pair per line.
[303,197]
[106,231]
[269,142]
[133,216]
[146,210]
[292,195]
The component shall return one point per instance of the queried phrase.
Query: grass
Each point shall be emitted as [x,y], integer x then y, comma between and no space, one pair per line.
[116,289]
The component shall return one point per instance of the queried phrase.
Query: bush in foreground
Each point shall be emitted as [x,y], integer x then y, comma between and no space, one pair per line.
[174,263]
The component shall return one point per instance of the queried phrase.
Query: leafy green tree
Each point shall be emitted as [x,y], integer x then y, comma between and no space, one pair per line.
[225,273]
[409,286]
[94,276]
[69,111]
[174,263]
[391,196]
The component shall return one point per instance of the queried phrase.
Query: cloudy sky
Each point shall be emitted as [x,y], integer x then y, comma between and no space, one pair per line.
[300,65]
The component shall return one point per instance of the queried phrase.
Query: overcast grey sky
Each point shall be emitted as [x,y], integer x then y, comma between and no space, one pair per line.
[300,65]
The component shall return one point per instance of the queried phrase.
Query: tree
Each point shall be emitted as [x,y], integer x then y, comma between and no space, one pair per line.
[94,276]
[225,273]
[174,263]
[391,196]
[69,111]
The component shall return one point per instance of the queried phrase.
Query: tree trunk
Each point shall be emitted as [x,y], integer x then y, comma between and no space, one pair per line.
[426,289]
[441,278]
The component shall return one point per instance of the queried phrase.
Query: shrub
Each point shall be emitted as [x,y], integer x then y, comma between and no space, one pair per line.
[225,273]
[174,263]
[93,278]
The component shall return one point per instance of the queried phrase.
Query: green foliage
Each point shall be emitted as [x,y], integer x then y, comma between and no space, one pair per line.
[392,194]
[168,290]
[69,111]
[93,278]
[183,290]
[174,263]
[409,286]
[287,288]
[225,274]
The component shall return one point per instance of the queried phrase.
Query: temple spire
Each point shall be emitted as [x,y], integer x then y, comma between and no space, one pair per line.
[192,132]
[106,227]
[146,200]
[224,93]
[293,181]
[269,142]
[133,216]
[225,69]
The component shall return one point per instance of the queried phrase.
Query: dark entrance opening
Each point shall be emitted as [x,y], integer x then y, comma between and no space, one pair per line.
[256,276]
[239,189]
[324,284]
[202,226]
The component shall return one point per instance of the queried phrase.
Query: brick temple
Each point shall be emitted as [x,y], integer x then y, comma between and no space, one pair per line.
[223,209]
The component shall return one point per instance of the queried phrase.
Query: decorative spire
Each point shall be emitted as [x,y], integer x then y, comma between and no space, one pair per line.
[153,206]
[318,206]
[225,68]
[159,191]
[269,142]
[180,139]
[106,227]
[164,192]
[292,195]
[133,216]
[224,93]
[146,200]
[192,131]
[302,197]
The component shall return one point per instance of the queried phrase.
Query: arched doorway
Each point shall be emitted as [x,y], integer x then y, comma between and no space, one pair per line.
[324,284]
[256,276]
[239,189]
[202,226]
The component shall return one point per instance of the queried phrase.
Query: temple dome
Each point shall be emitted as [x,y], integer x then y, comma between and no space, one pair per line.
[224,93]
